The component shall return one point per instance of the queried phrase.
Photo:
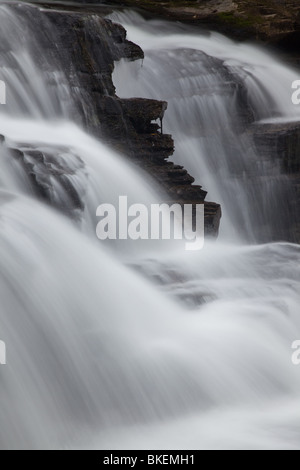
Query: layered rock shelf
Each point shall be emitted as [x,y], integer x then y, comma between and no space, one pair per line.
[280,142]
[89,45]
[273,22]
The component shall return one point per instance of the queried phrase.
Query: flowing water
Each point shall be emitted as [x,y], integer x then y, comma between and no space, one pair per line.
[196,351]
[216,88]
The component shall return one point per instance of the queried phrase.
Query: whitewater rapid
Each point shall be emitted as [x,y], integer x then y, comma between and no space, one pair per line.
[117,348]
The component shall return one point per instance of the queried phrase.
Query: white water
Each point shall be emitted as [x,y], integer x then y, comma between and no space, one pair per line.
[31,88]
[100,357]
[203,78]
[102,179]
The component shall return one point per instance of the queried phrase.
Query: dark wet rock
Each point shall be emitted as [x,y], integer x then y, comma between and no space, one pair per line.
[134,126]
[55,168]
[272,22]
[275,22]
[87,46]
[141,113]
[280,142]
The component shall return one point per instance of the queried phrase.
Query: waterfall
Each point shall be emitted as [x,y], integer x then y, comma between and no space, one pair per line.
[110,347]
[215,89]
[32,87]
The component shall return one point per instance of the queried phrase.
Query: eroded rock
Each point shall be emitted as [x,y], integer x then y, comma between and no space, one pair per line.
[86,45]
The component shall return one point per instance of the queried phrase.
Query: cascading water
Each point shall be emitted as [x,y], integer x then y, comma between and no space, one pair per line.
[32,87]
[216,88]
[98,357]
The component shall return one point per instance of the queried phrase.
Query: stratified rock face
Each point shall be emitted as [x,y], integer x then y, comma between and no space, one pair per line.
[275,22]
[88,46]
[281,143]
[51,173]
[85,45]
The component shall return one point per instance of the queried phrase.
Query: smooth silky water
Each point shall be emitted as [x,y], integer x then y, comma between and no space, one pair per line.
[98,354]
